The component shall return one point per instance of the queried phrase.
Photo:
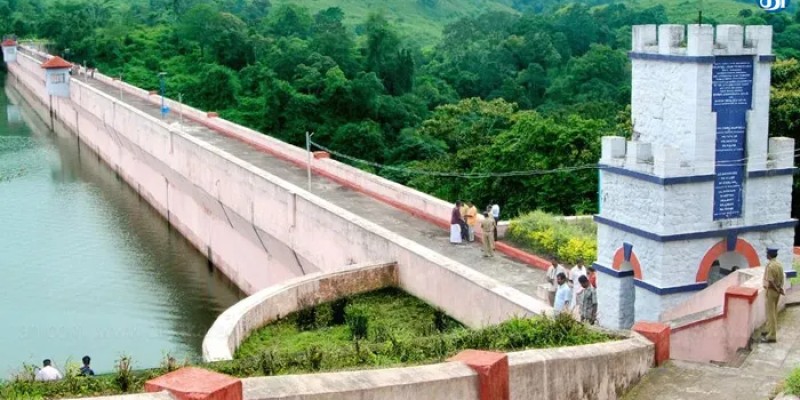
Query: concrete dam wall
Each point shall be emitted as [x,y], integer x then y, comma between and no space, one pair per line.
[258,229]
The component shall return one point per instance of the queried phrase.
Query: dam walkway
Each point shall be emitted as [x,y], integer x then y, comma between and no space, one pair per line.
[504,269]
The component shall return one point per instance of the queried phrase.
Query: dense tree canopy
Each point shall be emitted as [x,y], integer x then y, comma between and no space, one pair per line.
[501,91]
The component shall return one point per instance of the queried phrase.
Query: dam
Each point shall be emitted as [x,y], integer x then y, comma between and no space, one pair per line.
[88,267]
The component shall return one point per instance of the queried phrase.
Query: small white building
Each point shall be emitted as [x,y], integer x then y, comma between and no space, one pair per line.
[57,76]
[9,50]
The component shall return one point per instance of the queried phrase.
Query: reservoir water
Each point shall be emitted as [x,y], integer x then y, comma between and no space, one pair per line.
[86,265]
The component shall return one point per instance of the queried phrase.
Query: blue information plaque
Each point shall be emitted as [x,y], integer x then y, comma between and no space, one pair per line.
[732,96]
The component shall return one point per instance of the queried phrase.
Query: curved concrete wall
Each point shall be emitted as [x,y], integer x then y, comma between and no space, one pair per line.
[274,302]
[258,229]
[592,372]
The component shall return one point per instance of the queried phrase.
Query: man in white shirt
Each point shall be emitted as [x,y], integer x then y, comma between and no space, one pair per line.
[47,373]
[575,275]
[563,295]
[552,273]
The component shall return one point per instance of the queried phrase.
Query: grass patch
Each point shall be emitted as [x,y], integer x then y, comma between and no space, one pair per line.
[388,328]
[554,237]
[792,383]
[389,312]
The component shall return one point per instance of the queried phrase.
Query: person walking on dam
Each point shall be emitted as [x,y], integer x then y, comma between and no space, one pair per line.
[455,224]
[773,284]
[487,226]
[494,209]
[471,220]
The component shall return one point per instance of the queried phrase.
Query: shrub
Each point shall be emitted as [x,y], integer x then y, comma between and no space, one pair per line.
[338,311]
[356,317]
[578,248]
[306,319]
[124,373]
[551,236]
[314,356]
[440,320]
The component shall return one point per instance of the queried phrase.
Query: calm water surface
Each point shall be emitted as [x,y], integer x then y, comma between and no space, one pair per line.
[86,266]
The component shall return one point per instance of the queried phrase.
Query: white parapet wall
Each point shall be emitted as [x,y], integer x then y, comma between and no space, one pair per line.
[253,224]
[600,371]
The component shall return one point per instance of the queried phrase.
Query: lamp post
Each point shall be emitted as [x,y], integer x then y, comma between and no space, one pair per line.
[308,162]
[161,76]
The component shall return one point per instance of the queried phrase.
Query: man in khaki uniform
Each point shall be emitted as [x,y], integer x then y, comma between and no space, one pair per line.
[487,226]
[773,283]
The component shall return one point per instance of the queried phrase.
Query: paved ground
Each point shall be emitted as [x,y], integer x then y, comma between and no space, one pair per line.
[755,379]
[502,268]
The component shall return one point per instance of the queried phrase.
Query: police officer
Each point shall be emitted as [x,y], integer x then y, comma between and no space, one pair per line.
[487,226]
[773,284]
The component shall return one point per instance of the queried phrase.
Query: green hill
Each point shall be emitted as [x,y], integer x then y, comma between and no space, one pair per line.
[686,11]
[420,20]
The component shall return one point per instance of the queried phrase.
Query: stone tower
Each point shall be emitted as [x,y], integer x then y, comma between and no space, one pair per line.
[701,187]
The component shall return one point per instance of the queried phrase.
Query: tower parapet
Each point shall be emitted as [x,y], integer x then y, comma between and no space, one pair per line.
[702,40]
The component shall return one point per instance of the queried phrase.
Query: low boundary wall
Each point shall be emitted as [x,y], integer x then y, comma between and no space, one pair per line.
[597,372]
[232,210]
[237,322]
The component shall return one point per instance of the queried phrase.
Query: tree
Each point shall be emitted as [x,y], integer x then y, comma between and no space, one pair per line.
[385,57]
[466,130]
[229,41]
[194,26]
[538,143]
[602,73]
[255,11]
[362,140]
[289,20]
[331,38]
[216,89]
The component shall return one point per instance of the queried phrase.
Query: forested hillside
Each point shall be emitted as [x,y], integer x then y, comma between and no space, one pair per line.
[530,85]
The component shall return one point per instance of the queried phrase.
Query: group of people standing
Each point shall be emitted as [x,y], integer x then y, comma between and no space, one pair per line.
[573,291]
[465,218]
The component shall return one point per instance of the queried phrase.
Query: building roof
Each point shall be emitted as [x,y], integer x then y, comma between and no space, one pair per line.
[8,43]
[56,63]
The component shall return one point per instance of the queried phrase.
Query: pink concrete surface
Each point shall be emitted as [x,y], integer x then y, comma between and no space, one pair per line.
[718,337]
[710,297]
[414,202]
[492,370]
[192,383]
